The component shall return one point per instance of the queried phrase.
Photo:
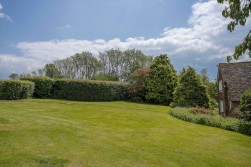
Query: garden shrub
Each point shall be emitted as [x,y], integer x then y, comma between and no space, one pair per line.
[245,104]
[190,91]
[87,90]
[43,86]
[201,110]
[15,89]
[231,124]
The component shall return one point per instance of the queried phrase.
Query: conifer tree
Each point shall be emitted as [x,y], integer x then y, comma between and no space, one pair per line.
[190,91]
[161,82]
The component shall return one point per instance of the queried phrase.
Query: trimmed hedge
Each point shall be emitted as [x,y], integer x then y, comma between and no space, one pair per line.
[43,86]
[15,89]
[231,124]
[87,90]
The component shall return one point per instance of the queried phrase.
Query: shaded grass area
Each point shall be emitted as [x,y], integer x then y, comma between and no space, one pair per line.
[43,132]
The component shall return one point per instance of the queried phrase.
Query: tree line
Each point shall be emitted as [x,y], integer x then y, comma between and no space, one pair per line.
[150,80]
[112,64]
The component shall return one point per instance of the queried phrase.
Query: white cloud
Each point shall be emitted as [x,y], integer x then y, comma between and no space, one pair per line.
[3,15]
[203,44]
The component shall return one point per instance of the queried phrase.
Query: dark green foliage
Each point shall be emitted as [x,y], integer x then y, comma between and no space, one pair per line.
[211,88]
[14,89]
[43,86]
[136,89]
[161,82]
[190,91]
[245,104]
[86,90]
[231,124]
[105,77]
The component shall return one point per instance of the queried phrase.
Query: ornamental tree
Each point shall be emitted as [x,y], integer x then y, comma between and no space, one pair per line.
[190,91]
[161,82]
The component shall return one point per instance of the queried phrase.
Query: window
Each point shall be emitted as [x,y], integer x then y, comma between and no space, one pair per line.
[221,106]
[220,85]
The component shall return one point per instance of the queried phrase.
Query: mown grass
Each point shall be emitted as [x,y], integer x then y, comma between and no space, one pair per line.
[43,132]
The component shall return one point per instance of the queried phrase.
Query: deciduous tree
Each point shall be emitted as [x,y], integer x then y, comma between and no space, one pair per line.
[238,11]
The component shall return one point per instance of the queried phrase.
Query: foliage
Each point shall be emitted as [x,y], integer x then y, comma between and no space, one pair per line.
[14,76]
[190,91]
[43,86]
[87,90]
[238,11]
[14,89]
[115,63]
[51,71]
[231,124]
[105,77]
[81,66]
[201,110]
[136,89]
[122,64]
[245,104]
[211,88]
[161,82]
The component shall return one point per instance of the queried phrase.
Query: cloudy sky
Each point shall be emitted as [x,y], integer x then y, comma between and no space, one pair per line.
[35,32]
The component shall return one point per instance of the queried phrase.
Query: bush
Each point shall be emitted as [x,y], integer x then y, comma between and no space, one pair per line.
[86,90]
[231,124]
[201,110]
[245,105]
[14,89]
[190,91]
[43,86]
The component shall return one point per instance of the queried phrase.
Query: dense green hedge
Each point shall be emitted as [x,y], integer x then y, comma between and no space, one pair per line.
[43,86]
[86,90]
[231,124]
[14,89]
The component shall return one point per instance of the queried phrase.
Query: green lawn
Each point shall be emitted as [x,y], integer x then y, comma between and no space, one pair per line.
[68,133]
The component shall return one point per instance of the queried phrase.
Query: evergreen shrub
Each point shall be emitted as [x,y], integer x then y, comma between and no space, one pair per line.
[89,90]
[43,86]
[15,89]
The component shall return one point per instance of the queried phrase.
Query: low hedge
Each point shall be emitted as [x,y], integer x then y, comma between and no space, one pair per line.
[43,86]
[86,90]
[231,124]
[15,89]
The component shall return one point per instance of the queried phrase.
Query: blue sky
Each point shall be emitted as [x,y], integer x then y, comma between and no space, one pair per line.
[34,32]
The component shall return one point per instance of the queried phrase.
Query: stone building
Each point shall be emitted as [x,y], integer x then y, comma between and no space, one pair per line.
[233,79]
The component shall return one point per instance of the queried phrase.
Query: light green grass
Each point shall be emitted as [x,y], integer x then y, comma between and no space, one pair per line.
[42,132]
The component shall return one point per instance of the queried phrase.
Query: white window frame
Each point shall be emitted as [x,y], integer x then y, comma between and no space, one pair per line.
[220,86]
[221,106]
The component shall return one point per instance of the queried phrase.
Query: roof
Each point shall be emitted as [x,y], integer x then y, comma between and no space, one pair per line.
[237,76]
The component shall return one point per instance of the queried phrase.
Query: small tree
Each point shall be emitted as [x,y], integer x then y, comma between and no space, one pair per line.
[162,81]
[136,88]
[245,104]
[190,91]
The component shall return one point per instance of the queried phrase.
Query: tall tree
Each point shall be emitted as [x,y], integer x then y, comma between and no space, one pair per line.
[190,91]
[51,71]
[162,81]
[238,11]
